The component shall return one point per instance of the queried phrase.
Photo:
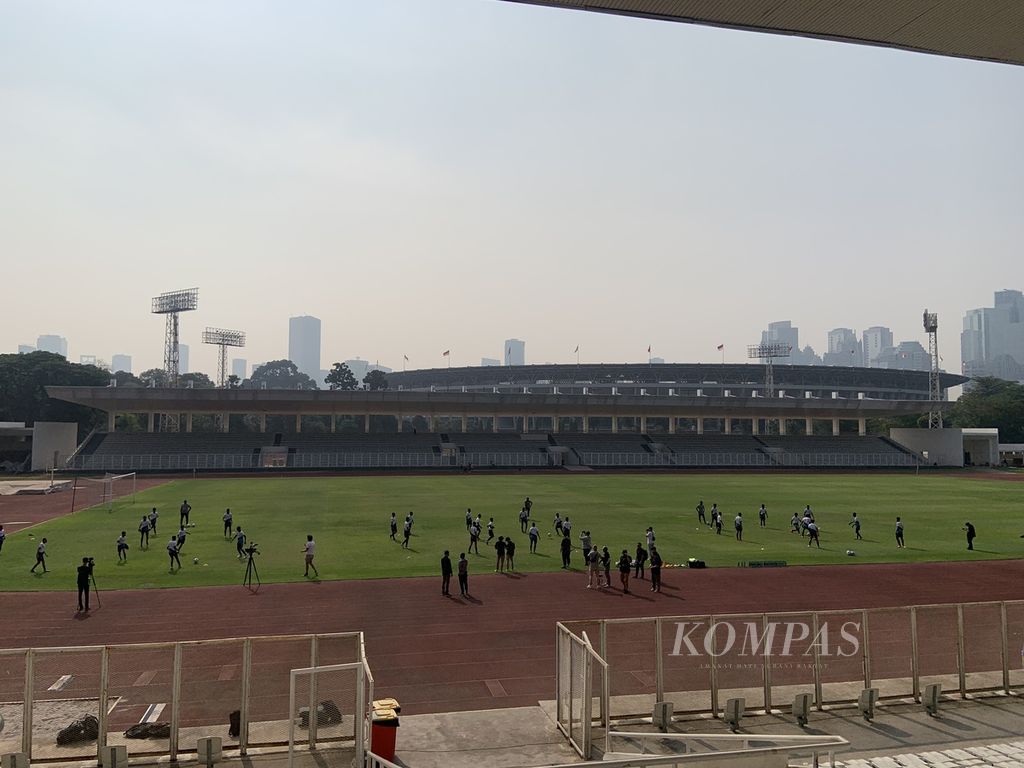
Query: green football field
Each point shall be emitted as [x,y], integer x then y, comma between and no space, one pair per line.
[349,519]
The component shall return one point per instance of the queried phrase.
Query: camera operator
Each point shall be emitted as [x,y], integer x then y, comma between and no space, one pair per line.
[84,575]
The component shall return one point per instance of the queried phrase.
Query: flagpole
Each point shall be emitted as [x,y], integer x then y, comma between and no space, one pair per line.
[723,354]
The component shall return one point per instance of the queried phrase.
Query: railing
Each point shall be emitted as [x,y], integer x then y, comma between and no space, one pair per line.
[237,689]
[695,662]
[690,748]
[745,459]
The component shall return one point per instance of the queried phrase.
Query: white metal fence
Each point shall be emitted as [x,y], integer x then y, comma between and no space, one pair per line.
[581,674]
[747,459]
[696,662]
[236,689]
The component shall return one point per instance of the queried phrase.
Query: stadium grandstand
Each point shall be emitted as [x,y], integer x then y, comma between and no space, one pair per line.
[522,417]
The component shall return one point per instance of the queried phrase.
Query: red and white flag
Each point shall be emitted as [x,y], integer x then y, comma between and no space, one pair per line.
[405,356]
[648,349]
[577,349]
[721,347]
[446,353]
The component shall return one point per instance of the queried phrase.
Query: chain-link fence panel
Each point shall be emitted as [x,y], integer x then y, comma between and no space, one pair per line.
[629,648]
[686,663]
[65,704]
[792,656]
[338,649]
[211,692]
[841,645]
[983,646]
[325,708]
[937,646]
[12,700]
[1015,643]
[892,668]
[578,693]
[272,661]
[140,683]
[737,646]
[563,655]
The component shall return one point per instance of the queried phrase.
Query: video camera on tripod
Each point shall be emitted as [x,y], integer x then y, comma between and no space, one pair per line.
[251,550]
[250,569]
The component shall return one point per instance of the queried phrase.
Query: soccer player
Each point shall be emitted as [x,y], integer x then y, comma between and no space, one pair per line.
[240,541]
[182,533]
[558,523]
[566,527]
[152,520]
[406,533]
[899,534]
[228,518]
[183,513]
[812,534]
[309,550]
[40,556]
[490,530]
[469,518]
[650,537]
[122,547]
[172,552]
[738,524]
[524,519]
[144,528]
[534,536]
[855,523]
[794,524]
[714,512]
[566,547]
[474,538]
[394,527]
[762,516]
[2,537]
[700,513]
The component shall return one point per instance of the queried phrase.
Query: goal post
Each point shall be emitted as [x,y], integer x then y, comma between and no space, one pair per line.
[110,488]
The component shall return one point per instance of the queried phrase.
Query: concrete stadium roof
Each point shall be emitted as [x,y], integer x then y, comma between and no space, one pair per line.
[409,403]
[988,30]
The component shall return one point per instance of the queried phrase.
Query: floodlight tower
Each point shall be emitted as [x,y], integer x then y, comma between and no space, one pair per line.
[767,353]
[931,327]
[170,304]
[223,338]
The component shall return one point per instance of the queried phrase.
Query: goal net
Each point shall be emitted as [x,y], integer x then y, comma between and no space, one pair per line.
[109,489]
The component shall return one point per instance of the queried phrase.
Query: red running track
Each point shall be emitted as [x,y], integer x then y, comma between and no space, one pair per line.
[497,649]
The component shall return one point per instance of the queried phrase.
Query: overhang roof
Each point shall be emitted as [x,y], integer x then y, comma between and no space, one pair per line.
[325,402]
[990,30]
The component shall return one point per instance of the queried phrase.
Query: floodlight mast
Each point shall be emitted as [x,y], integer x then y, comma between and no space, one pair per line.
[767,353]
[223,338]
[931,327]
[170,304]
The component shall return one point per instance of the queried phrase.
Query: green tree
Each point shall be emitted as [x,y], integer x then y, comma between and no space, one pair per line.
[341,377]
[154,377]
[197,380]
[992,403]
[233,381]
[280,374]
[23,382]
[376,380]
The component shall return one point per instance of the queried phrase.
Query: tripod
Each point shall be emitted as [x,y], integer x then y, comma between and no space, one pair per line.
[95,591]
[250,571]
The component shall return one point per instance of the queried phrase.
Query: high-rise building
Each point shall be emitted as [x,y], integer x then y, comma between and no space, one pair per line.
[906,356]
[843,348]
[488,361]
[121,363]
[782,332]
[238,367]
[992,340]
[25,349]
[875,339]
[304,344]
[53,343]
[182,359]
[515,352]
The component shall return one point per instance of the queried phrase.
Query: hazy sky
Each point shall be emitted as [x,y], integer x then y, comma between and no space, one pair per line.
[444,174]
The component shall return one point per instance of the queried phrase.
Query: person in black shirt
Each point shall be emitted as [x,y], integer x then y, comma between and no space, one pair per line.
[84,574]
[510,554]
[446,573]
[624,567]
[701,518]
[606,564]
[566,551]
[641,560]
[970,534]
[499,549]
[463,574]
[655,570]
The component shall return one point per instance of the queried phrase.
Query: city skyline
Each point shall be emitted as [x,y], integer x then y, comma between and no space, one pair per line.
[835,185]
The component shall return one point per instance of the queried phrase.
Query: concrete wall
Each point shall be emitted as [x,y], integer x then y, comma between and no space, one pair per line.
[945,447]
[52,443]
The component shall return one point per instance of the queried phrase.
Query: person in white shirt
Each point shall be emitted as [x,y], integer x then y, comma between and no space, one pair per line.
[738,524]
[228,518]
[40,556]
[152,520]
[534,535]
[650,538]
[122,546]
[172,552]
[310,550]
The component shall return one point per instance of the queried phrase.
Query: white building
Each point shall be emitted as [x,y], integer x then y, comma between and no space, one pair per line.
[182,359]
[53,343]
[992,340]
[25,349]
[489,361]
[238,367]
[515,352]
[875,339]
[304,344]
[121,363]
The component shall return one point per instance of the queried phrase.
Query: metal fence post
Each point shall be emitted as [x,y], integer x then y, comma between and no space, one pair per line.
[713,667]
[175,703]
[915,662]
[359,726]
[26,715]
[588,704]
[314,660]
[867,648]
[602,639]
[101,739]
[817,664]
[960,670]
[766,666]
[1005,640]
[659,664]
[243,714]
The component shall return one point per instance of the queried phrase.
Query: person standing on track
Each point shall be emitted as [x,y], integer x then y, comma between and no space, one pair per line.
[228,519]
[40,556]
[510,554]
[640,561]
[309,550]
[183,513]
[446,573]
[585,543]
[899,534]
[499,550]
[144,528]
[566,548]
[534,536]
[606,566]
[655,570]
[624,568]
[593,566]
[122,547]
[463,575]
[649,535]
[84,574]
